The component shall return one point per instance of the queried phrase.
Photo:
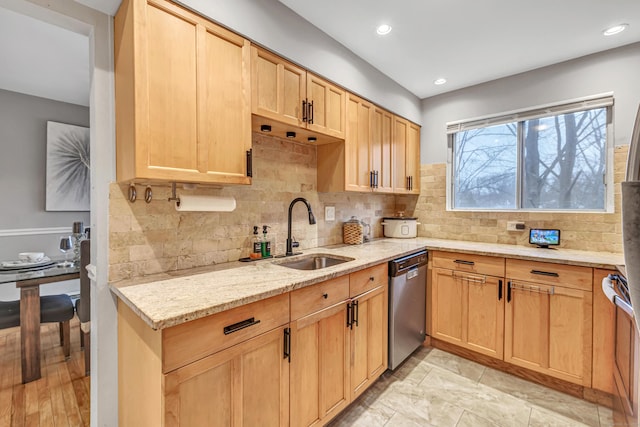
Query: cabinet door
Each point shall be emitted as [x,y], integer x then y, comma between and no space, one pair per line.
[166,92]
[224,115]
[319,366]
[400,131]
[381,149]
[278,88]
[406,156]
[244,385]
[182,96]
[468,310]
[603,336]
[369,340]
[548,329]
[412,158]
[357,162]
[327,113]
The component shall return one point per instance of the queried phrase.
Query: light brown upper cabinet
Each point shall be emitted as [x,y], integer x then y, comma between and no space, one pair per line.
[364,161]
[288,94]
[406,155]
[182,86]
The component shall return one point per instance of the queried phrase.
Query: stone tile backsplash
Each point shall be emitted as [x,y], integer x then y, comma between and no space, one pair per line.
[148,238]
[587,231]
[151,238]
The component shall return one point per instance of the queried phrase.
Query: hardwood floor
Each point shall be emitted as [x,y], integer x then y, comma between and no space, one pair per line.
[59,398]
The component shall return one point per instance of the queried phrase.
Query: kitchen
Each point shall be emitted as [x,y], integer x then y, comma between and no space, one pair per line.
[159,216]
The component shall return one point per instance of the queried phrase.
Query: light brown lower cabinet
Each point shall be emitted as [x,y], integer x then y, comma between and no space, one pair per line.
[252,366]
[319,366]
[468,310]
[369,338]
[340,350]
[548,330]
[245,385]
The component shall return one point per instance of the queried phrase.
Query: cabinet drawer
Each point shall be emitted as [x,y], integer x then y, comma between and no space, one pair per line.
[319,296]
[471,263]
[569,276]
[367,279]
[194,340]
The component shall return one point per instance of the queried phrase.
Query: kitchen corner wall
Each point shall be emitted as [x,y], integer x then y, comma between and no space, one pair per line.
[152,238]
[586,231]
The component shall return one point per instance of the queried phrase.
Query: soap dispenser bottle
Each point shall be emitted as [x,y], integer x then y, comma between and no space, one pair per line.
[266,243]
[256,251]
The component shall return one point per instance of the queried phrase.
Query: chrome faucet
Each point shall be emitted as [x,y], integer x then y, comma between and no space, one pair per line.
[312,220]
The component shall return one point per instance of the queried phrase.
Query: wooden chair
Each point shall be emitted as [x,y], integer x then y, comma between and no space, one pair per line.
[83,304]
[53,308]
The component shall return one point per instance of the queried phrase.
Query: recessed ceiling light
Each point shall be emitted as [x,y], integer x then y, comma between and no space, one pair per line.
[383,29]
[440,81]
[615,29]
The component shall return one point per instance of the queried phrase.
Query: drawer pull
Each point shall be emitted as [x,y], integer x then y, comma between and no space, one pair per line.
[545,273]
[499,290]
[509,291]
[461,261]
[240,325]
[349,314]
[325,296]
[371,279]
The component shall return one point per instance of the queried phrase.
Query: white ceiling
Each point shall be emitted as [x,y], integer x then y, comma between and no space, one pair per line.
[42,59]
[469,41]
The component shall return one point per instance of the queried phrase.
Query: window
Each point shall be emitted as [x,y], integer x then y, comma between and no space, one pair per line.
[532,160]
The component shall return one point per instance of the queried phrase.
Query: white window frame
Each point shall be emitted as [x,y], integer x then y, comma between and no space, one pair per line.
[604,100]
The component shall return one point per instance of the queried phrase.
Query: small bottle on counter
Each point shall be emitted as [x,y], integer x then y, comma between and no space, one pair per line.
[266,243]
[256,250]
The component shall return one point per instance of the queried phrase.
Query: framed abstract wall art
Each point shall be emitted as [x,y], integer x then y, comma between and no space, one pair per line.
[68,182]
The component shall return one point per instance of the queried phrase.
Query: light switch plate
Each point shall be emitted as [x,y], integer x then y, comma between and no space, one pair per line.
[515,226]
[329,213]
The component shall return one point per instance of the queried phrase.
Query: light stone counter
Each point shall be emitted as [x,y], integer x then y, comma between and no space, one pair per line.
[169,299]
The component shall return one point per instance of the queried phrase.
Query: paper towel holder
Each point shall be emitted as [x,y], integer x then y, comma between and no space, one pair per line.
[173,194]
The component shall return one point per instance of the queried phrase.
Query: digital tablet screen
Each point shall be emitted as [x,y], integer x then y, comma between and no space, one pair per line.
[544,237]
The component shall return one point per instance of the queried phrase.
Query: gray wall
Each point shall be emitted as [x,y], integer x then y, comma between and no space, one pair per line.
[23,147]
[616,70]
[275,26]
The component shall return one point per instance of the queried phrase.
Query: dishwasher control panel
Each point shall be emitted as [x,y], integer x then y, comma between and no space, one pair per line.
[400,265]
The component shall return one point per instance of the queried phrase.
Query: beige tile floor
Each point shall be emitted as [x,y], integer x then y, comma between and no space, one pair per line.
[435,388]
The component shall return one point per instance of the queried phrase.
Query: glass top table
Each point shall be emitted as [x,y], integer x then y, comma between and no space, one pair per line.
[29,284]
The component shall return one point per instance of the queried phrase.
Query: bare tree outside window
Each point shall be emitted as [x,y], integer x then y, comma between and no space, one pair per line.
[564,161]
[563,164]
[485,167]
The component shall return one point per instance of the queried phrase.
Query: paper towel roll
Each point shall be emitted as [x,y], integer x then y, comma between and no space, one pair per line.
[205,204]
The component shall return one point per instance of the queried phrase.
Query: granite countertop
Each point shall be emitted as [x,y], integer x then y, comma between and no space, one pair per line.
[169,299]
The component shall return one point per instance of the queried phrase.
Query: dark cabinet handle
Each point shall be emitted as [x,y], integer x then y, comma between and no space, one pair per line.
[349,313]
[304,110]
[461,261]
[509,291]
[371,179]
[325,296]
[240,325]
[356,312]
[545,273]
[499,290]
[310,115]
[371,278]
[410,183]
[287,344]
[250,162]
[407,183]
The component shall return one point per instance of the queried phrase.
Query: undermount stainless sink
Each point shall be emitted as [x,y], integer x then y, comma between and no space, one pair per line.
[314,261]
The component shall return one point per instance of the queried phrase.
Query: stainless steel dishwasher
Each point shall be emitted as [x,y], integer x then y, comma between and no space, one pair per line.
[407,305]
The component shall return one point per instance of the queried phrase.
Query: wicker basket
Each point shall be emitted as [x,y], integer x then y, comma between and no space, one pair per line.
[352,234]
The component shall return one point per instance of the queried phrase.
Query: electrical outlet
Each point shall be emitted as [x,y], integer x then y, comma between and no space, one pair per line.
[515,226]
[329,213]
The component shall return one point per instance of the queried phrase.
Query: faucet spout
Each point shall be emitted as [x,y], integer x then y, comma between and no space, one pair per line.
[312,220]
